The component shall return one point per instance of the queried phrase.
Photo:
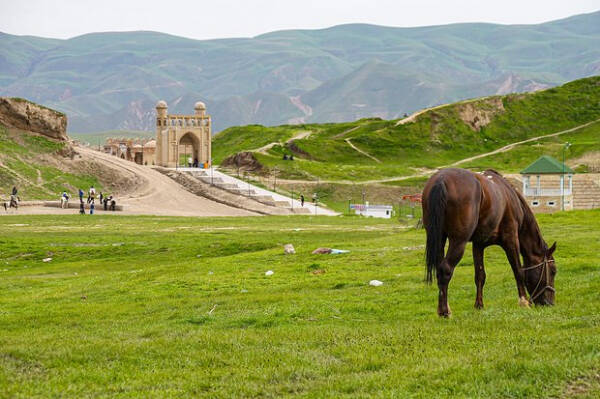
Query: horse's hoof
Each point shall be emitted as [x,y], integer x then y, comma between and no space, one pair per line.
[478,305]
[524,302]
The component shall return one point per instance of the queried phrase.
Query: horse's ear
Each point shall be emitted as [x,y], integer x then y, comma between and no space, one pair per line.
[551,249]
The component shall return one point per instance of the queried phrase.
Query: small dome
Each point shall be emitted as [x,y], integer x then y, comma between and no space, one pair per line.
[199,105]
[161,104]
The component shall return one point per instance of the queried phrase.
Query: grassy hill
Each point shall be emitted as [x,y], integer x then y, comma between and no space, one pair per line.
[435,138]
[181,307]
[106,81]
[41,168]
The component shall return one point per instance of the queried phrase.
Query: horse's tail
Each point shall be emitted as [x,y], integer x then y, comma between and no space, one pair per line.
[434,251]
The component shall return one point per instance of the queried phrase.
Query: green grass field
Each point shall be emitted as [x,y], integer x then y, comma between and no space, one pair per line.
[181,307]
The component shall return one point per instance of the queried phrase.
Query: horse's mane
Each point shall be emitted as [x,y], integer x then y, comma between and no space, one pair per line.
[494,171]
[529,223]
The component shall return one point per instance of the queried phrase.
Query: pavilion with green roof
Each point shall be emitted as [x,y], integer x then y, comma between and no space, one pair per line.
[549,175]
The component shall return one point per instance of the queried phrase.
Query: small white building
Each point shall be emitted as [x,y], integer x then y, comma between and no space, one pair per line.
[376,211]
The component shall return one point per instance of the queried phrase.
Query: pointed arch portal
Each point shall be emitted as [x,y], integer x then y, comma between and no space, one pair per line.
[188,149]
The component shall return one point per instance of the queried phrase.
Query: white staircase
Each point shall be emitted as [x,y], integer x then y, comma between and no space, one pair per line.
[266,197]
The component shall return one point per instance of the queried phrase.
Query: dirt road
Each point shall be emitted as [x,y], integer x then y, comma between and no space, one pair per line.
[155,194]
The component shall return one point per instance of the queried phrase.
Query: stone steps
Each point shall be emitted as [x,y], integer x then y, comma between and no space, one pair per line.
[244,191]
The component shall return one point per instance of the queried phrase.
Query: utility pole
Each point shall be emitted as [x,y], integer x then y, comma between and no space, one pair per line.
[247,182]
[562,202]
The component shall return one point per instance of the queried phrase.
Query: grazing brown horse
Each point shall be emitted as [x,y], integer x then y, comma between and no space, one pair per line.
[461,206]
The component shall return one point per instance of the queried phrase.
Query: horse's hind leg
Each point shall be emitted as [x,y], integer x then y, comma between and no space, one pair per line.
[479,274]
[456,249]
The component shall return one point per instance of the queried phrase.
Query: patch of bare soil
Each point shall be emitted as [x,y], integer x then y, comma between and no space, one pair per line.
[480,113]
[293,147]
[243,161]
[589,159]
[584,387]
[115,181]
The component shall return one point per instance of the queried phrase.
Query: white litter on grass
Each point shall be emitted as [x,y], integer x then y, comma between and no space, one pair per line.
[376,283]
[243,291]
[288,249]
[198,256]
[338,251]
[46,259]
[210,273]
[269,273]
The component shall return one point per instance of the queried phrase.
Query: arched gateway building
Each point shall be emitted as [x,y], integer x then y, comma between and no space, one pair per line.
[180,138]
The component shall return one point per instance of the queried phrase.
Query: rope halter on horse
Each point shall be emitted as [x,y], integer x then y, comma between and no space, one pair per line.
[546,270]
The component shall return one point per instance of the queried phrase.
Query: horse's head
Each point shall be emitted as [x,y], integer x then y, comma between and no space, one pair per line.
[539,277]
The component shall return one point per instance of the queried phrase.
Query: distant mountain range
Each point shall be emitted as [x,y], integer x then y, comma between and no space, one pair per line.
[105,81]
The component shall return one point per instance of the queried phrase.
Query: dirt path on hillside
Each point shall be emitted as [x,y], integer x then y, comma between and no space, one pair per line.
[412,117]
[361,151]
[155,194]
[428,172]
[511,146]
[298,136]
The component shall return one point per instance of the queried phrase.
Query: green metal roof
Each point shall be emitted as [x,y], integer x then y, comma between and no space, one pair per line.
[546,165]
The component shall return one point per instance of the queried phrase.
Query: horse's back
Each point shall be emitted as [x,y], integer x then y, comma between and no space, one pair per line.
[461,201]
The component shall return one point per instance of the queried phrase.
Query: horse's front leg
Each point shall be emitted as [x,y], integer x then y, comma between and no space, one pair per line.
[479,273]
[512,253]
[455,252]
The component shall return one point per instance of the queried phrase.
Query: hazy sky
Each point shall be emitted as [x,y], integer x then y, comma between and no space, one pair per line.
[203,19]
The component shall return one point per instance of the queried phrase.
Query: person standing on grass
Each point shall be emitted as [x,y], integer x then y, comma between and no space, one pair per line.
[302,200]
[81,195]
[92,207]
[100,197]
[81,207]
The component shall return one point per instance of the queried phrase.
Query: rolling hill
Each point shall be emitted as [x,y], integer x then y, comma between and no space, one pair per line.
[107,81]
[376,149]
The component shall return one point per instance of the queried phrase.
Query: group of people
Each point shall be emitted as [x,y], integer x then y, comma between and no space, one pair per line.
[192,163]
[107,201]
